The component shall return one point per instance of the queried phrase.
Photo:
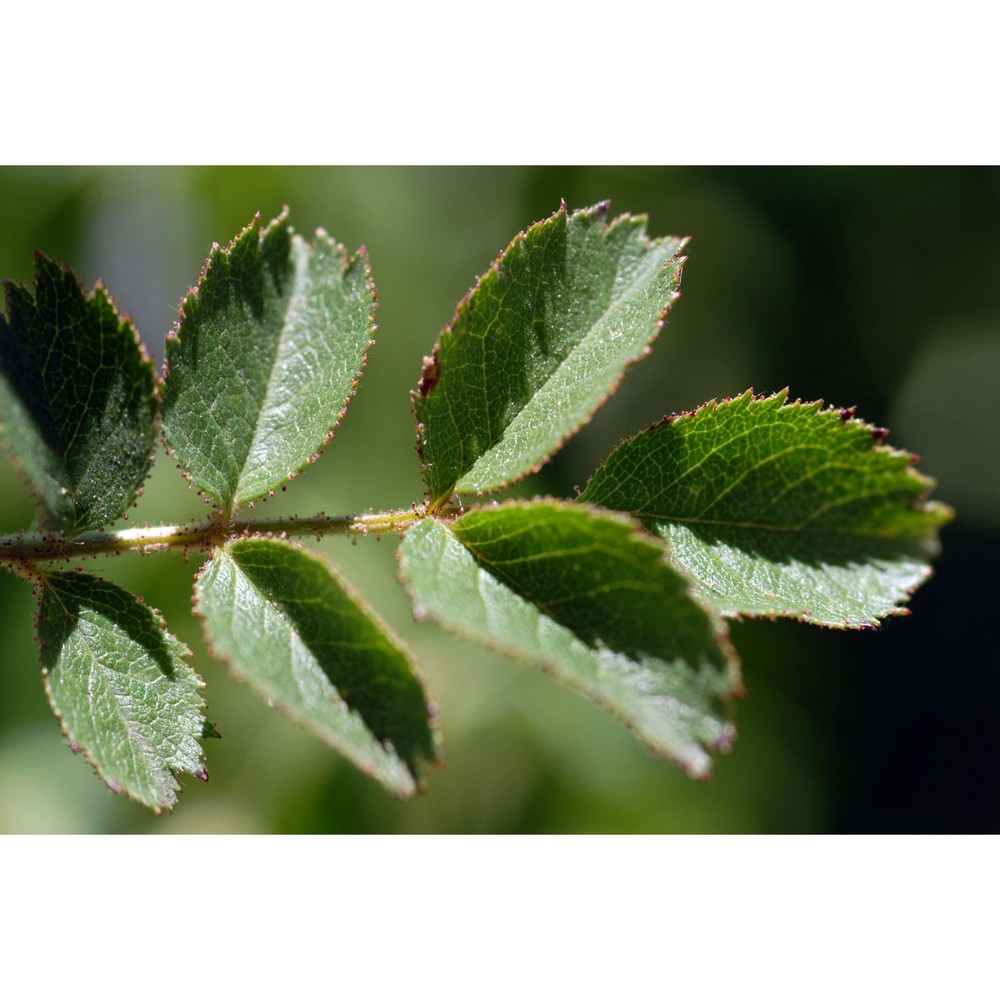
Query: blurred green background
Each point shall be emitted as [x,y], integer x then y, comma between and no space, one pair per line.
[874,287]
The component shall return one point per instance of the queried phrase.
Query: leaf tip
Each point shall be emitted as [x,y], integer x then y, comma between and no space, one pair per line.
[723,743]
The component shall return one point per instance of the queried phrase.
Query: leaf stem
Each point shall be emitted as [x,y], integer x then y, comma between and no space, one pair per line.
[37,546]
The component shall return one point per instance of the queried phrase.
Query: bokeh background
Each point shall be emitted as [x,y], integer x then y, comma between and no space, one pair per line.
[874,287]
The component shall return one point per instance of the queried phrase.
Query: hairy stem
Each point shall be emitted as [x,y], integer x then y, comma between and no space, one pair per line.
[37,546]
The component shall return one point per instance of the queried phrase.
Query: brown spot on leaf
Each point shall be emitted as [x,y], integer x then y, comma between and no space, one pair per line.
[430,375]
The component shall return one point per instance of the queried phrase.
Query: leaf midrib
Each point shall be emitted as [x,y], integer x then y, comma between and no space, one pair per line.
[649,261]
[297,292]
[137,745]
[801,528]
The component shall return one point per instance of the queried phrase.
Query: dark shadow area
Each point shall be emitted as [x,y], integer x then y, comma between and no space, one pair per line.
[68,595]
[840,283]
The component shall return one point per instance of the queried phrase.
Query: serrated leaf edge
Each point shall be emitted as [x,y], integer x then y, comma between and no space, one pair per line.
[550,667]
[38,582]
[921,503]
[145,361]
[437,738]
[348,261]
[942,511]
[430,372]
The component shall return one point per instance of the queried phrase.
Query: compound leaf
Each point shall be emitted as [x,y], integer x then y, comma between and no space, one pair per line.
[77,399]
[288,626]
[538,345]
[265,356]
[119,684]
[780,509]
[592,600]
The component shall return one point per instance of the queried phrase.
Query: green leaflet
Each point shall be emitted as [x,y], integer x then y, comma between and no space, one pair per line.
[288,627]
[266,354]
[119,684]
[538,345]
[753,506]
[76,399]
[587,597]
[780,509]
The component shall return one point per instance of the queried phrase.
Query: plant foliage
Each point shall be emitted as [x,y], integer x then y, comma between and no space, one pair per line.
[77,399]
[753,506]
